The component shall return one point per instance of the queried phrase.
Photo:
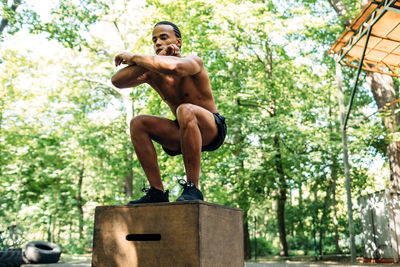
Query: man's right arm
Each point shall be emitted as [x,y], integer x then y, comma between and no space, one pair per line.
[130,76]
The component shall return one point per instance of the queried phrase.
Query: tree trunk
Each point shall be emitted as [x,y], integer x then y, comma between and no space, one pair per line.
[346,162]
[281,223]
[300,230]
[79,200]
[246,236]
[281,201]
[324,217]
[4,21]
[341,10]
[128,186]
[53,229]
[1,137]
[56,240]
[334,203]
[382,87]
[243,197]
[128,180]
[393,153]
[334,174]
[321,241]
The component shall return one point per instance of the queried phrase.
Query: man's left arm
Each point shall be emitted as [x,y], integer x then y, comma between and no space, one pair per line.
[179,66]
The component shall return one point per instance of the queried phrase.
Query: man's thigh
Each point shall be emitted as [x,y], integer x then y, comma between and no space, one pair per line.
[163,131]
[205,121]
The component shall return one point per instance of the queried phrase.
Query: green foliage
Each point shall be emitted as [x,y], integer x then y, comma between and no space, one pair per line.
[64,144]
[71,20]
[264,247]
[13,17]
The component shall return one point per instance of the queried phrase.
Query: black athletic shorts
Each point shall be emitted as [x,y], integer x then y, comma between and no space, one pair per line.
[216,143]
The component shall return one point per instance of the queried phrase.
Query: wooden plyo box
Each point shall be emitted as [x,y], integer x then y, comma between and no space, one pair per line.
[187,234]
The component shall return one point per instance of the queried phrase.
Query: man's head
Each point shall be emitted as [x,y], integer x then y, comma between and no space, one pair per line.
[164,34]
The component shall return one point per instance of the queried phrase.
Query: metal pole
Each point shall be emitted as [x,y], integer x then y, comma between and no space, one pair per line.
[346,161]
[357,78]
[255,239]
[343,121]
[348,190]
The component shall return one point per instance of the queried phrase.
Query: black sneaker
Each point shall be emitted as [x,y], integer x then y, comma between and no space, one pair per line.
[153,195]
[190,192]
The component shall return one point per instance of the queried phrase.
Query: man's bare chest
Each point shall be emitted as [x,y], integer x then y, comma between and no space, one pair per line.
[175,89]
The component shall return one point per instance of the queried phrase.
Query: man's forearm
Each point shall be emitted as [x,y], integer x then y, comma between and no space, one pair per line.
[129,76]
[160,64]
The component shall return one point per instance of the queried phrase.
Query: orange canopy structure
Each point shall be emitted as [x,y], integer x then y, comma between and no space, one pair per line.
[372,43]
[382,53]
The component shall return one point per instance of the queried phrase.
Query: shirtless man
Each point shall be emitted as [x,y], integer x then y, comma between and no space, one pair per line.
[182,83]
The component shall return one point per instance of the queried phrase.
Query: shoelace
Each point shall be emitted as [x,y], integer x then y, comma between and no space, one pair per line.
[146,190]
[185,184]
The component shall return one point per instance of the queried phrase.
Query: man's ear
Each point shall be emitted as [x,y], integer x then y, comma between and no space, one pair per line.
[179,42]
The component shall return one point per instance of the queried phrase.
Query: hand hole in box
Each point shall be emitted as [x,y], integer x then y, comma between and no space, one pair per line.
[143,237]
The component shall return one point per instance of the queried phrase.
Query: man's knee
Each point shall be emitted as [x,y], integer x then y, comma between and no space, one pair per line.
[186,115]
[185,108]
[138,123]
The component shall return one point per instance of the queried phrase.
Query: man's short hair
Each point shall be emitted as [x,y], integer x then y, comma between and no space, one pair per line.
[176,29]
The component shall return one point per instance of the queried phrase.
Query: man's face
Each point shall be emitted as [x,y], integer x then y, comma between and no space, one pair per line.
[164,35]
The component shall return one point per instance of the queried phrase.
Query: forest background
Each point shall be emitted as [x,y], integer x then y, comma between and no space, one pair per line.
[64,141]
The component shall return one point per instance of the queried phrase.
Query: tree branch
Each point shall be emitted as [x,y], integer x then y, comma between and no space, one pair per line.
[240,102]
[4,21]
[341,10]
